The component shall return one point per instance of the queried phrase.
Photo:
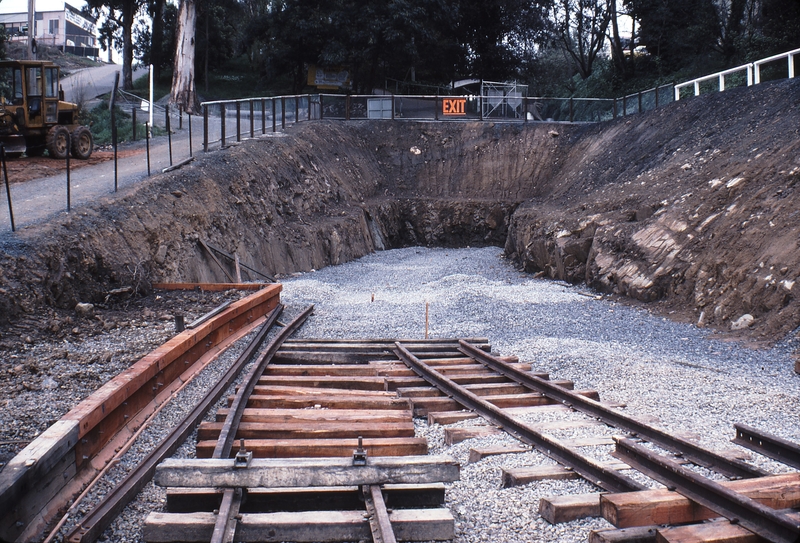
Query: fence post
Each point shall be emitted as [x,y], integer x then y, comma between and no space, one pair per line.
[133,114]
[263,117]
[8,187]
[308,104]
[657,87]
[238,121]
[169,133]
[615,108]
[347,108]
[624,105]
[283,112]
[180,117]
[274,119]
[296,109]
[321,109]
[252,121]
[639,97]
[147,140]
[791,66]
[436,108]
[393,107]
[68,183]
[205,128]
[190,135]
[697,88]
[222,122]
[571,110]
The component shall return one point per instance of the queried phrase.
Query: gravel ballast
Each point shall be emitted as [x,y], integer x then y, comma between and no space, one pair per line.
[673,373]
[665,371]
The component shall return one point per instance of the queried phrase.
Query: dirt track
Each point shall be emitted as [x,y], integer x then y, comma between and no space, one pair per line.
[690,208]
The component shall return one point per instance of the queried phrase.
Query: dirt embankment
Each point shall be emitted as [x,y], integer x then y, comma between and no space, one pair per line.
[691,206]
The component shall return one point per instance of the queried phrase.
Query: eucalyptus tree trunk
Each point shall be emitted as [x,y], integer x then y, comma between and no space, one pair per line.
[183,93]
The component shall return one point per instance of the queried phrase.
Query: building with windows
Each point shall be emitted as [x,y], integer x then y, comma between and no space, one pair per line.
[66,28]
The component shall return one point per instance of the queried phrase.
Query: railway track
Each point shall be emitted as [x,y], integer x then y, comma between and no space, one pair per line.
[318,443]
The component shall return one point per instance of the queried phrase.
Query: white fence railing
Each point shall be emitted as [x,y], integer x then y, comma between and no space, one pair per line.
[753,70]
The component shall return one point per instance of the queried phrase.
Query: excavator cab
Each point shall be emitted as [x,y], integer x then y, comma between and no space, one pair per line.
[33,114]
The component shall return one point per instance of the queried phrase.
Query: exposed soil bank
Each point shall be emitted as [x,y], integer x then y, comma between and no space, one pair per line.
[691,206]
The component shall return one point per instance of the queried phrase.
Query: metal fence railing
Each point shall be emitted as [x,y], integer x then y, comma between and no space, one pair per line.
[746,74]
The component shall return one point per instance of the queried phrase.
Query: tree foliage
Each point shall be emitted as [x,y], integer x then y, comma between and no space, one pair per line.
[118,29]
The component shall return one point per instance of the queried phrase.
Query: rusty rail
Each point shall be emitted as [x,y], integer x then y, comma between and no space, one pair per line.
[695,453]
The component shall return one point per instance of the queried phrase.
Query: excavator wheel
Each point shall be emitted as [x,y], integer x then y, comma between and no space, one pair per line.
[58,141]
[82,143]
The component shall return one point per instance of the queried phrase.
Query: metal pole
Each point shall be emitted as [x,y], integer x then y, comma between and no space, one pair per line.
[222,123]
[112,106]
[205,128]
[147,138]
[151,99]
[69,203]
[8,188]
[283,112]
[169,132]
[571,110]
[190,135]
[296,109]
[252,121]
[133,114]
[263,117]
[180,117]
[274,120]
[238,121]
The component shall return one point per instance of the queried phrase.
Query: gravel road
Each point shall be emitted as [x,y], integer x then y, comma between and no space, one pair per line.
[671,372]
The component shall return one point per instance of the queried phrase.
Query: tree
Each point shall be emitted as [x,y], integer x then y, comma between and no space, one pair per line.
[581,29]
[119,16]
[677,32]
[183,93]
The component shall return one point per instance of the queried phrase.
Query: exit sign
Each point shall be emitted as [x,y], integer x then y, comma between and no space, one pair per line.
[454,106]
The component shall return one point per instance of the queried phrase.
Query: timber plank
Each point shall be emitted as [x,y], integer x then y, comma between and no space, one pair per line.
[292,416]
[333,381]
[266,390]
[450,417]
[306,430]
[301,527]
[326,401]
[306,472]
[267,500]
[643,534]
[35,461]
[304,448]
[457,435]
[479,453]
[522,476]
[707,532]
[558,509]
[652,507]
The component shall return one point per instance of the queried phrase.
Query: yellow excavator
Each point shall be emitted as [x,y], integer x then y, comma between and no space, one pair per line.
[34,115]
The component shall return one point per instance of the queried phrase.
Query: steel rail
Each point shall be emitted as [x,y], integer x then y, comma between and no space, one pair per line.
[225,525]
[768,523]
[100,517]
[768,444]
[592,471]
[379,522]
[709,459]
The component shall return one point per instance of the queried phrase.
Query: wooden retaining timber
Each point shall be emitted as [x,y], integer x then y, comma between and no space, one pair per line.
[66,455]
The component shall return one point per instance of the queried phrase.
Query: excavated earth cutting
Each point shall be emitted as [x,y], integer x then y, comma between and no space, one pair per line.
[692,207]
